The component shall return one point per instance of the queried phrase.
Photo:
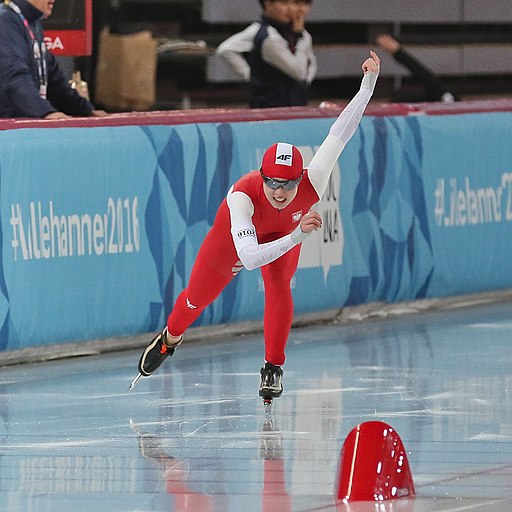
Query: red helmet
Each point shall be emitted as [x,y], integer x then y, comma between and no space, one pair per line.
[282,161]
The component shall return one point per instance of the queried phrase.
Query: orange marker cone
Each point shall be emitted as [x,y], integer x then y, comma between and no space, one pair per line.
[373,465]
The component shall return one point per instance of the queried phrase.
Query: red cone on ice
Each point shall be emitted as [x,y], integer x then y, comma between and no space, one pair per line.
[373,465]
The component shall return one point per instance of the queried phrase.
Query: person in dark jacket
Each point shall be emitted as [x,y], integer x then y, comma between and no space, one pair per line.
[31,81]
[280,59]
[435,88]
[275,55]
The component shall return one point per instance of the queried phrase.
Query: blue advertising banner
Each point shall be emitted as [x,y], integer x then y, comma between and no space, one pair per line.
[388,251]
[100,226]
[467,173]
[72,212]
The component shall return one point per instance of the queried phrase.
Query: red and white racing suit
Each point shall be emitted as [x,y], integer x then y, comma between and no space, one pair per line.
[249,232]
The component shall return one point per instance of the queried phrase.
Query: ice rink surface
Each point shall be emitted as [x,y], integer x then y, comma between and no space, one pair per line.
[195,436]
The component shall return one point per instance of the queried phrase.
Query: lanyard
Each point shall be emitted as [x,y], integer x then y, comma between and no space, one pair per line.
[39,50]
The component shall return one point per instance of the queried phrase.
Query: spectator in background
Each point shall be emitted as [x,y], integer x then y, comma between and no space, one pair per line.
[31,81]
[275,55]
[435,89]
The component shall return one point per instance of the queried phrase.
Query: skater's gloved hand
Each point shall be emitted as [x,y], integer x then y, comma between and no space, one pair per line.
[310,222]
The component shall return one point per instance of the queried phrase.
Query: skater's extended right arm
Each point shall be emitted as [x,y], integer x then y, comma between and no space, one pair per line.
[343,128]
[254,254]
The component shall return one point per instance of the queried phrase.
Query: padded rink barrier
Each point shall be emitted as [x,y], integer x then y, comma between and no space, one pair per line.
[101,219]
[373,466]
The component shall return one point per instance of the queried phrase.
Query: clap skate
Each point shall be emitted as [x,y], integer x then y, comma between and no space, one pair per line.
[271,383]
[154,355]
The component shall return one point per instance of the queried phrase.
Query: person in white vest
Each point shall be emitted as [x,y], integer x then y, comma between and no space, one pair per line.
[275,55]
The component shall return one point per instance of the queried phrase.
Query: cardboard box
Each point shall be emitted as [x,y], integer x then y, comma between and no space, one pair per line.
[126,71]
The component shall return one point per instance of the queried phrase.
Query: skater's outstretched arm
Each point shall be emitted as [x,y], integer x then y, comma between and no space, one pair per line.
[344,127]
[253,254]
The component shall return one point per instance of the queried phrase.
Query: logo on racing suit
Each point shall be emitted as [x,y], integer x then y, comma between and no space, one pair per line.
[244,233]
[296,216]
[190,305]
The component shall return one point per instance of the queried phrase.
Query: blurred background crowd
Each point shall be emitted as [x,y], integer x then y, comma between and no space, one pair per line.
[464,45]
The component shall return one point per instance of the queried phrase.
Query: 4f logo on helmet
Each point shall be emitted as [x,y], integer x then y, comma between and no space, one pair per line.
[284,154]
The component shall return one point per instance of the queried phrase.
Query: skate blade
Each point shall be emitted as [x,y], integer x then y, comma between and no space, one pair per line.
[267,402]
[134,381]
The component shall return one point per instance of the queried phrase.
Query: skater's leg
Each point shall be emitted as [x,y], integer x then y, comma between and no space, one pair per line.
[205,285]
[277,277]
[212,271]
[278,318]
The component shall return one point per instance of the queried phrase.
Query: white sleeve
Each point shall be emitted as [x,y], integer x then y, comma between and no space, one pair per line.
[233,48]
[276,52]
[251,253]
[341,132]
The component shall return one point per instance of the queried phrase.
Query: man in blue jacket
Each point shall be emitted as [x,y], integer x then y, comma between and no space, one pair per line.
[31,81]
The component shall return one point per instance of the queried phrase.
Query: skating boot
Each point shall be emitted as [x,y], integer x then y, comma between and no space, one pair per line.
[154,355]
[271,383]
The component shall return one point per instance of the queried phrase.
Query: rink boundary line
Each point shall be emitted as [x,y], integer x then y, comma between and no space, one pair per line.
[371,311]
